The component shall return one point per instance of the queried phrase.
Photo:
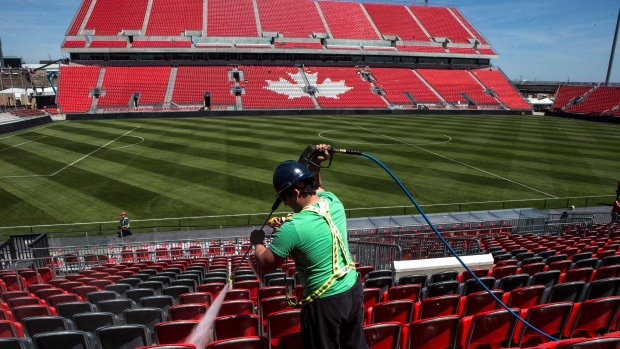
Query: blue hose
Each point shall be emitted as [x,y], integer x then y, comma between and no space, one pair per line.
[448,245]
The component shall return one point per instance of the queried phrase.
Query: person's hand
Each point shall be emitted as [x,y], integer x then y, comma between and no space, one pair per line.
[257,237]
[321,153]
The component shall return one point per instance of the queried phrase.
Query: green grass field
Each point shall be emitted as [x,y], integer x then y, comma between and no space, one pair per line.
[88,171]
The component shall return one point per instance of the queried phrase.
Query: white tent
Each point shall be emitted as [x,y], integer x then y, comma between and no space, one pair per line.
[18,92]
[544,101]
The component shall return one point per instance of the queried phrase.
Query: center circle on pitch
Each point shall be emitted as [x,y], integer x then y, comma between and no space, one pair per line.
[369,138]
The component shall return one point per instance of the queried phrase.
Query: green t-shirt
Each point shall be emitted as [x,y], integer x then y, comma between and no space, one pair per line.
[306,237]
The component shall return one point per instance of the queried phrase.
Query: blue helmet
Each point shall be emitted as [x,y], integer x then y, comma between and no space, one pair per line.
[288,173]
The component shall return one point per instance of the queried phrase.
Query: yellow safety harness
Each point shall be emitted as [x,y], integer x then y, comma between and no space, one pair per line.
[337,244]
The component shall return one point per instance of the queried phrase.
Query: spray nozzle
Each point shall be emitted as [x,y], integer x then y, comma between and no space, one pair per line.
[309,152]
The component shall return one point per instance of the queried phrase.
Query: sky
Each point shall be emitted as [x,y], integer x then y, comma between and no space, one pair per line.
[542,40]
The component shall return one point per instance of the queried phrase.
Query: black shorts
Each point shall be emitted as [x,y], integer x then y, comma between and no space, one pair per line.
[336,321]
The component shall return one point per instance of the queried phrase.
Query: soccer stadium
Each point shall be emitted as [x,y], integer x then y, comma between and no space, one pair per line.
[473,220]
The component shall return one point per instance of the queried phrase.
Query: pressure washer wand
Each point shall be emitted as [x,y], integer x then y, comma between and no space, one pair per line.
[274,207]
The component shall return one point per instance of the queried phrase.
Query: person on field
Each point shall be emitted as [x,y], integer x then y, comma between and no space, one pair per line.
[332,311]
[124,226]
[616,208]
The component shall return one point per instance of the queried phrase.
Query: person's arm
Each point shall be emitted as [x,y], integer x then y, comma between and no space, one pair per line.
[321,155]
[266,260]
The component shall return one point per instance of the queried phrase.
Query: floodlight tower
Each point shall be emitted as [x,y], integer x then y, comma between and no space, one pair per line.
[611,58]
[1,57]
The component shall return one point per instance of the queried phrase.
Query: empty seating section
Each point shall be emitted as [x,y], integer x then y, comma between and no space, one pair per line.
[439,22]
[506,92]
[566,93]
[468,50]
[469,26]
[108,43]
[347,20]
[406,315]
[74,43]
[231,18]
[109,17]
[74,87]
[79,18]
[601,100]
[274,87]
[192,82]
[119,84]
[414,48]
[396,81]
[298,44]
[171,18]
[292,18]
[160,43]
[342,87]
[486,51]
[450,84]
[395,20]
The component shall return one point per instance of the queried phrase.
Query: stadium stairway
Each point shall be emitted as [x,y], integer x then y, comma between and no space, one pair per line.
[170,89]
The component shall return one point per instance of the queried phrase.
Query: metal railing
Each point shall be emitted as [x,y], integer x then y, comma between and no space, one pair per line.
[423,247]
[238,220]
[379,255]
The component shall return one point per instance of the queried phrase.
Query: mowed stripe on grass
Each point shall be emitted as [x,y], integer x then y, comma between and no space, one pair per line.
[219,166]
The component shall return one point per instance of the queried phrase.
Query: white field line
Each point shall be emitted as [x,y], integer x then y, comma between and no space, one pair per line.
[17,145]
[94,151]
[130,145]
[33,130]
[265,213]
[447,158]
[78,160]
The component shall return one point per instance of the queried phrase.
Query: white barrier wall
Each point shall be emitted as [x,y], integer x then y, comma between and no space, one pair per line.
[436,265]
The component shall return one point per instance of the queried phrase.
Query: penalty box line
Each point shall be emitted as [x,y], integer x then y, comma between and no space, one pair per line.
[78,160]
[447,158]
[94,151]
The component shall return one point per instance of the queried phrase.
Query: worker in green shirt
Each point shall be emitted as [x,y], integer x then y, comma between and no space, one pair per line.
[332,311]
[124,226]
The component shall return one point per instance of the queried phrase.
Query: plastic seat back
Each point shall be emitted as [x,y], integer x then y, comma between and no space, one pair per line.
[148,317]
[480,302]
[419,279]
[69,309]
[171,332]
[187,312]
[196,298]
[282,323]
[383,335]
[400,311]
[566,292]
[549,318]
[138,293]
[442,288]
[404,292]
[162,302]
[494,329]
[594,317]
[238,307]
[240,343]
[122,337]
[436,333]
[525,297]
[20,313]
[42,324]
[602,288]
[90,322]
[232,326]
[439,306]
[63,340]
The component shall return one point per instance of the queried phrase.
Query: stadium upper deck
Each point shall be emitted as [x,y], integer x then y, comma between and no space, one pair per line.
[131,30]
